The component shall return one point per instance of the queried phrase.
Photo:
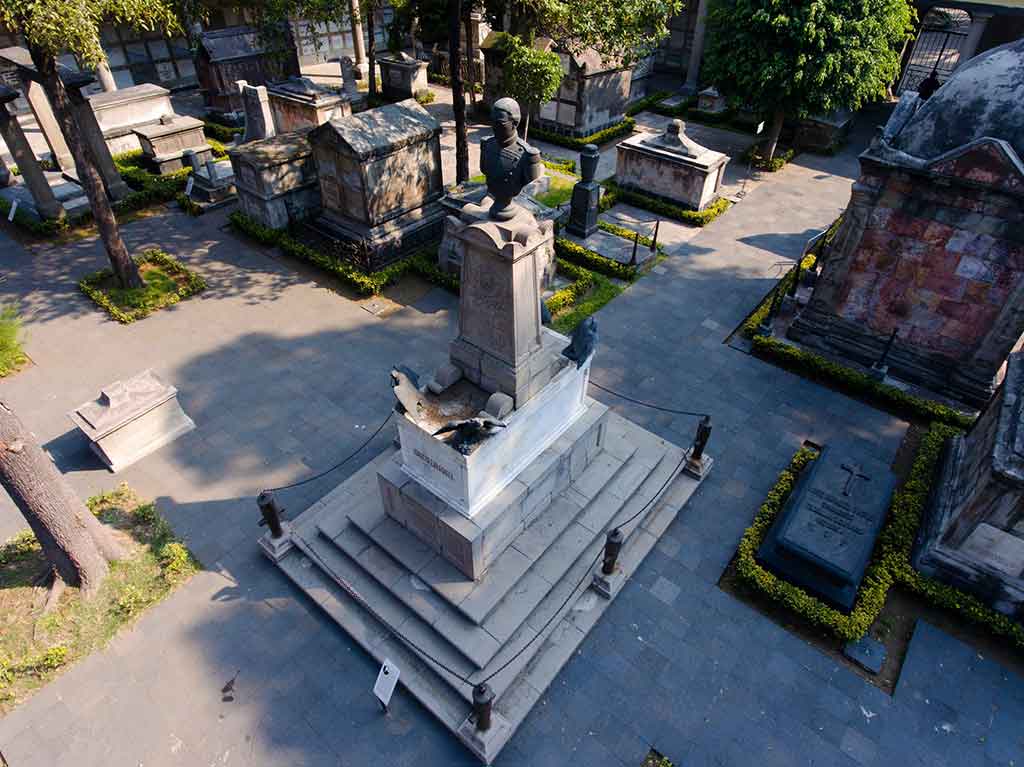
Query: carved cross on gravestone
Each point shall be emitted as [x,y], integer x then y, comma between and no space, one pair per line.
[855,474]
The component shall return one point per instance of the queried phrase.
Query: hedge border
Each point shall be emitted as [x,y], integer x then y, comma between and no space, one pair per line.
[613,193]
[194,283]
[750,326]
[577,254]
[220,132]
[623,128]
[782,158]
[891,560]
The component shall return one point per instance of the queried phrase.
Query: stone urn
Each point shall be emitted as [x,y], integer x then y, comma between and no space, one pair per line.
[589,159]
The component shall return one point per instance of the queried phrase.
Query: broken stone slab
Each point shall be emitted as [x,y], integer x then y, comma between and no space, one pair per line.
[867,653]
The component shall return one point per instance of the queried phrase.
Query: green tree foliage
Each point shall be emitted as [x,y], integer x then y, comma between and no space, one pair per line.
[623,30]
[796,58]
[531,76]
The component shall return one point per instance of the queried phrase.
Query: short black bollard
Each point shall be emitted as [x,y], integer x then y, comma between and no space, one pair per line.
[483,700]
[612,547]
[654,240]
[271,513]
[700,440]
[636,241]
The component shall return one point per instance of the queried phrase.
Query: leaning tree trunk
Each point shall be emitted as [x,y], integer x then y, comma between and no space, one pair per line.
[526,120]
[74,542]
[458,94]
[778,118]
[371,51]
[125,270]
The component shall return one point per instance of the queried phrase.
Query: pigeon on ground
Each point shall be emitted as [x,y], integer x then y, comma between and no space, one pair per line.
[470,432]
[405,384]
[584,340]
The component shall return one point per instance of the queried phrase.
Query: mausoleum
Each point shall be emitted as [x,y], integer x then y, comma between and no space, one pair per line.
[931,245]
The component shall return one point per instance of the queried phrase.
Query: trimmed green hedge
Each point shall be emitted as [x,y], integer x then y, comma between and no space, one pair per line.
[577,254]
[194,283]
[614,194]
[189,205]
[220,132]
[582,282]
[891,560]
[753,156]
[626,233]
[568,167]
[624,128]
[855,383]
[645,104]
[751,325]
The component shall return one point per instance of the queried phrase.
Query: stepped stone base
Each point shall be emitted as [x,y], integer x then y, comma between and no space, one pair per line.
[533,605]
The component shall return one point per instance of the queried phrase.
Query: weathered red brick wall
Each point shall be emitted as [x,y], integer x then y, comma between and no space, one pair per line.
[938,258]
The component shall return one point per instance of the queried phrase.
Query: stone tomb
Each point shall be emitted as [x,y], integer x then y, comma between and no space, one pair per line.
[120,112]
[276,179]
[213,183]
[380,180]
[298,103]
[973,531]
[131,419]
[671,166]
[165,142]
[482,558]
[402,76]
[823,538]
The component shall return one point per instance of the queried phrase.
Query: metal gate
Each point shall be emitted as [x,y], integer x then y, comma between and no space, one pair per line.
[937,47]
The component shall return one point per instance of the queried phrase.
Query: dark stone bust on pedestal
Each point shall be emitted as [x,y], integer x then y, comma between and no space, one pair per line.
[508,162]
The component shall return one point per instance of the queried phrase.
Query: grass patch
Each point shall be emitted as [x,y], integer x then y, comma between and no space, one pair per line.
[426,97]
[12,357]
[167,282]
[613,193]
[890,562]
[558,193]
[35,648]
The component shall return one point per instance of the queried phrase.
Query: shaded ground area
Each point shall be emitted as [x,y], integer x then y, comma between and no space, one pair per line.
[285,377]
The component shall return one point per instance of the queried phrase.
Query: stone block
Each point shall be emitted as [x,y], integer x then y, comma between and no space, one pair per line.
[165,142]
[867,653]
[499,405]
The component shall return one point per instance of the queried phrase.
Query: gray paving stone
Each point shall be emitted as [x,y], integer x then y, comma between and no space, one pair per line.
[665,590]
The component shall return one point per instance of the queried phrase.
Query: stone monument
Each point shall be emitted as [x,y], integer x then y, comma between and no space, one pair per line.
[711,101]
[299,103]
[380,180]
[972,535]
[259,120]
[276,179]
[474,543]
[671,166]
[585,195]
[930,244]
[131,419]
[165,142]
[349,78]
[402,76]
[213,183]
[121,111]
[823,538]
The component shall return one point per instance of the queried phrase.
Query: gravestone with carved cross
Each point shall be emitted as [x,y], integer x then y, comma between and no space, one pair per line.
[823,538]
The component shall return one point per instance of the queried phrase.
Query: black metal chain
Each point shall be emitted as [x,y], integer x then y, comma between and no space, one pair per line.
[339,464]
[646,404]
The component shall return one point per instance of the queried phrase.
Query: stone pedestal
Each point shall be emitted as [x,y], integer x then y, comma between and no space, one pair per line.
[711,101]
[276,180]
[972,536]
[299,103]
[402,76]
[499,311]
[671,166]
[586,195]
[131,419]
[164,143]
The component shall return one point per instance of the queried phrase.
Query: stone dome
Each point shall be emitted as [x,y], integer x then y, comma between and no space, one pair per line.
[985,97]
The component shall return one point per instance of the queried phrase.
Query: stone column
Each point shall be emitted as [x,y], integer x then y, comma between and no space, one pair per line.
[357,36]
[48,125]
[696,49]
[106,77]
[31,174]
[92,135]
[979,21]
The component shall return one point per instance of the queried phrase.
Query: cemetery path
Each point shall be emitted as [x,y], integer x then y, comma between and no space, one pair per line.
[284,377]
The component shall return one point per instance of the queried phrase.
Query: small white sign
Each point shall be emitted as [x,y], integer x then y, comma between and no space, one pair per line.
[13,210]
[188,186]
[760,127]
[384,687]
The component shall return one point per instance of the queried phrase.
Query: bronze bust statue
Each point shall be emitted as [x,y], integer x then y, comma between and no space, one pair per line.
[508,162]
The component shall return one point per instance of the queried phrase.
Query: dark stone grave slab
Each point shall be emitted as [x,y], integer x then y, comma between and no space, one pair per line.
[867,653]
[823,538]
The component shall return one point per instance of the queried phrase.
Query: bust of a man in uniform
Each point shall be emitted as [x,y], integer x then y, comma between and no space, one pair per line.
[508,162]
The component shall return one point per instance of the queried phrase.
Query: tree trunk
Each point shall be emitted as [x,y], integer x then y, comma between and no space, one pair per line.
[778,117]
[467,23]
[125,270]
[74,542]
[526,121]
[371,51]
[458,94]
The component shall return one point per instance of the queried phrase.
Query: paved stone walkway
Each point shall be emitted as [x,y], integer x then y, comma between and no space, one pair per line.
[283,377]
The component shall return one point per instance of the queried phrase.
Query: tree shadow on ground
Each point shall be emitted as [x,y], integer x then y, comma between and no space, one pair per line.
[787,244]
